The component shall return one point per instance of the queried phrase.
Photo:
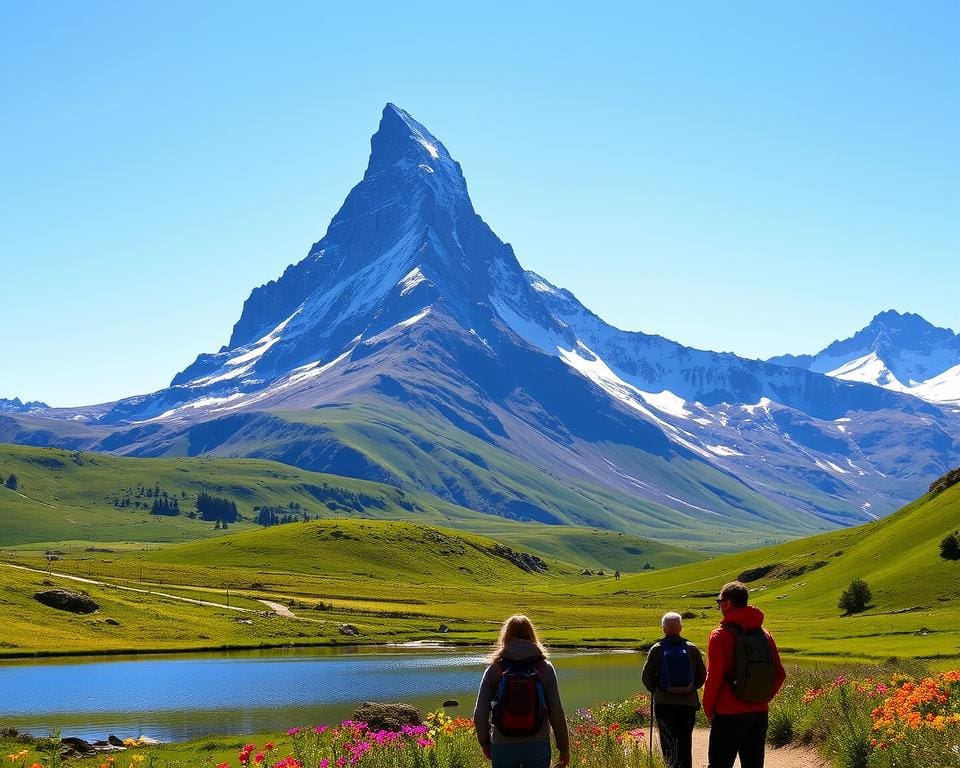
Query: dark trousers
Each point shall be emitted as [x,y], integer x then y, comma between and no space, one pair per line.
[732,735]
[675,724]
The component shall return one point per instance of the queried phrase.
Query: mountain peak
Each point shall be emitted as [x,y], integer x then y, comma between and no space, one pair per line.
[893,318]
[401,139]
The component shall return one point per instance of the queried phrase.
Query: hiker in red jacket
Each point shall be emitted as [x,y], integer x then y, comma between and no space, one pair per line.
[743,674]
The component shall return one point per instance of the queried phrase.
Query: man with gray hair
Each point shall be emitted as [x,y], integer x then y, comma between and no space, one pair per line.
[673,672]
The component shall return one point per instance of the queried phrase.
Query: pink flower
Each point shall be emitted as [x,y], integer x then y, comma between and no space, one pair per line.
[293,732]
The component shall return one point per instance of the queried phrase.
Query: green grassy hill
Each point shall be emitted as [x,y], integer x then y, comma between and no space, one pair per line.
[914,611]
[366,549]
[68,500]
[393,581]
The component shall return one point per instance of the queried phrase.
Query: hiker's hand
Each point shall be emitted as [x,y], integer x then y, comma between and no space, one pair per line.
[564,760]
[486,751]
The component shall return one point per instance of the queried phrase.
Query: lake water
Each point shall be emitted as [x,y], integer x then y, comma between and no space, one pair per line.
[173,698]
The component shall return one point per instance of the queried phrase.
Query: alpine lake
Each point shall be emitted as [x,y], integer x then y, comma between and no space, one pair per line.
[181,697]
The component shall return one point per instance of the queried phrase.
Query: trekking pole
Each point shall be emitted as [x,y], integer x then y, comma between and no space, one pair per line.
[650,728]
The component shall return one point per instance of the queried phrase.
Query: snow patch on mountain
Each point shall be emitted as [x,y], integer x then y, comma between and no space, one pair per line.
[868,369]
[530,330]
[667,402]
[765,404]
[830,466]
[411,280]
[944,388]
[722,450]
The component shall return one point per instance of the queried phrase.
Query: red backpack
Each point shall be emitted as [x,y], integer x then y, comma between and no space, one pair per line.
[519,704]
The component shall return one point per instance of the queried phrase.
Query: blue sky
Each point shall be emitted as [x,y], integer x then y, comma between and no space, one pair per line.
[738,177]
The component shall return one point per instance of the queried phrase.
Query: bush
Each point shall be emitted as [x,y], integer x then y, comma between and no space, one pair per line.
[854,598]
[950,546]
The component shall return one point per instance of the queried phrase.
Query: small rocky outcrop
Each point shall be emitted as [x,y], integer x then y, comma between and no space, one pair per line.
[63,600]
[349,630]
[523,560]
[945,481]
[387,717]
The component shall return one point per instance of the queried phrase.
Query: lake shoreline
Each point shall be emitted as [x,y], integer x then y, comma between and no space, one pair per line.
[411,645]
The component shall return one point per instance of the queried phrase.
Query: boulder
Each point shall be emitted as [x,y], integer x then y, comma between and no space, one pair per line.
[62,600]
[349,629]
[78,745]
[387,717]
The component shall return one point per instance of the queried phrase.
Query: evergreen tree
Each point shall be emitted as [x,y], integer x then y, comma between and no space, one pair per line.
[12,483]
[216,508]
[854,598]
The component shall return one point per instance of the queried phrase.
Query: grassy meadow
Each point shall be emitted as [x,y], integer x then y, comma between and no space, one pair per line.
[398,581]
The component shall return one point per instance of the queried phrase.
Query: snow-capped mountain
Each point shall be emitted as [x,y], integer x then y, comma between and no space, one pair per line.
[18,406]
[410,346]
[900,352]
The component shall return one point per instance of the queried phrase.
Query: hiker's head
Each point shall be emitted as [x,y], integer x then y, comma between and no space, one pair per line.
[517,627]
[733,595]
[672,623]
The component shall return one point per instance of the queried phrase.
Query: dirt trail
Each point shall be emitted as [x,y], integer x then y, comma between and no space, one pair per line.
[279,609]
[785,757]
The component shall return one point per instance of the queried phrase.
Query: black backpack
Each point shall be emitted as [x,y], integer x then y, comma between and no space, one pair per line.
[519,704]
[754,672]
[676,668]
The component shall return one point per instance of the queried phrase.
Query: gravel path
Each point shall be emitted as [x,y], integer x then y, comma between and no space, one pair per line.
[785,757]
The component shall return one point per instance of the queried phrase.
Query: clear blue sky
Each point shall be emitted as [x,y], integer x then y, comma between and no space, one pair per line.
[746,177]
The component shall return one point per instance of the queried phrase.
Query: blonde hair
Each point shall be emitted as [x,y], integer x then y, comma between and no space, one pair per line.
[517,627]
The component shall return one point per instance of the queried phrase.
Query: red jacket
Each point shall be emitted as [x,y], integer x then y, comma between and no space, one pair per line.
[718,697]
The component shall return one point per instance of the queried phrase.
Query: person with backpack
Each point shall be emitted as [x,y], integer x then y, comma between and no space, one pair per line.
[744,673]
[519,702]
[673,672]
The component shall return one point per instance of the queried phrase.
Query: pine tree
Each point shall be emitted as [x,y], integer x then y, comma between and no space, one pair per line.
[12,483]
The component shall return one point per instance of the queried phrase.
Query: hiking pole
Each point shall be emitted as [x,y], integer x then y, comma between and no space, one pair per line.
[650,728]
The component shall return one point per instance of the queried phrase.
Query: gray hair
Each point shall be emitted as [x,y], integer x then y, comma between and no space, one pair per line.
[673,620]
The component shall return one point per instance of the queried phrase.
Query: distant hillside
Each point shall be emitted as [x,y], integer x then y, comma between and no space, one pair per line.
[385,550]
[74,499]
[915,609]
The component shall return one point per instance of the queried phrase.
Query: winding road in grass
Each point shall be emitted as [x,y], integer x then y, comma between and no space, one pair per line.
[278,608]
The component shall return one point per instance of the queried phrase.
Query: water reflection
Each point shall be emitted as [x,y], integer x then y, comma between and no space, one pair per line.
[176,698]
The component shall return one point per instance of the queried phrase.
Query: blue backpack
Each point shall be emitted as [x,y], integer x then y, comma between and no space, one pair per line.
[676,668]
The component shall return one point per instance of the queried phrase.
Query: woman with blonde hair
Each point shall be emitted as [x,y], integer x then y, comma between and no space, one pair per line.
[519,702]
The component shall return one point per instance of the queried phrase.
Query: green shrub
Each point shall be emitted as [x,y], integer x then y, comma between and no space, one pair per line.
[950,546]
[854,598]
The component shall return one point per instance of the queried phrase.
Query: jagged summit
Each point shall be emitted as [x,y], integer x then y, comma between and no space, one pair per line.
[901,351]
[406,243]
[400,137]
